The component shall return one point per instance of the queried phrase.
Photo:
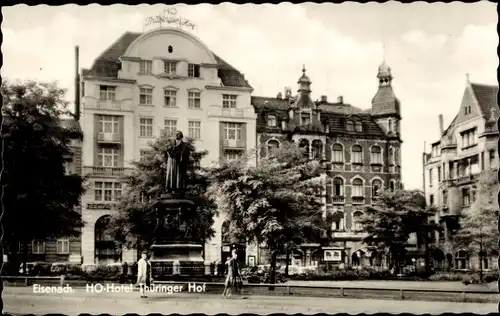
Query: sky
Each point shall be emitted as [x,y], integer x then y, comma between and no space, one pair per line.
[429,47]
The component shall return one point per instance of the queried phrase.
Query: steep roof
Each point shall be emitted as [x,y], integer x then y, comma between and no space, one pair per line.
[486,96]
[385,102]
[107,64]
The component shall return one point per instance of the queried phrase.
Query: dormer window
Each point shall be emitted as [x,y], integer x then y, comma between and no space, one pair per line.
[389,126]
[350,126]
[194,71]
[229,101]
[146,67]
[271,120]
[359,127]
[169,67]
[305,119]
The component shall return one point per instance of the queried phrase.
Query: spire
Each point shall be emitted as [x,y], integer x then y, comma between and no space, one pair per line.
[467,78]
[304,96]
[385,102]
[384,74]
[304,82]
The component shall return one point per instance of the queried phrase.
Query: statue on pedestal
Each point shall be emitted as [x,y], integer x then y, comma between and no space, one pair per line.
[177,158]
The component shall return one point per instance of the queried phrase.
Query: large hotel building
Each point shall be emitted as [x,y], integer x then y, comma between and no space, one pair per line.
[465,149]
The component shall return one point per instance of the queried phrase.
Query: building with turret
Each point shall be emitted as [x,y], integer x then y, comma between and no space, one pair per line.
[359,149]
[465,149]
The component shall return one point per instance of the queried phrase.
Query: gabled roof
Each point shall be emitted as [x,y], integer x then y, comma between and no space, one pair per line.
[486,96]
[107,64]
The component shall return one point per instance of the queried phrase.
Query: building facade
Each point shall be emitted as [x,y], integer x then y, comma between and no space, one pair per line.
[143,85]
[464,150]
[360,150]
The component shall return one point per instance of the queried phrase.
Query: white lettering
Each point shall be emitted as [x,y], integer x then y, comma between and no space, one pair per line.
[37,288]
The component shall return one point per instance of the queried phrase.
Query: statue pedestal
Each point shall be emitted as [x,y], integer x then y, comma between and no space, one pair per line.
[186,251]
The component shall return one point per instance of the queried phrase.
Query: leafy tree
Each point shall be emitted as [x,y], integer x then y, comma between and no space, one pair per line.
[390,221]
[275,203]
[39,197]
[479,223]
[139,223]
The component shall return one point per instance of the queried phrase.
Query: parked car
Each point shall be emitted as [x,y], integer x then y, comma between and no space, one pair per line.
[29,267]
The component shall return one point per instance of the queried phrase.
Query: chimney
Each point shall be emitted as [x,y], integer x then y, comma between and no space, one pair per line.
[280,96]
[324,98]
[77,83]
[340,99]
[441,129]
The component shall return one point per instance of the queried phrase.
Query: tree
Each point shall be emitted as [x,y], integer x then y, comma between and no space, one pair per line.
[135,225]
[479,223]
[390,221]
[275,203]
[39,196]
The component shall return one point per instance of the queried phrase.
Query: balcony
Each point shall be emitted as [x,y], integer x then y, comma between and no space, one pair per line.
[105,172]
[349,235]
[358,200]
[242,113]
[338,199]
[108,138]
[92,103]
[462,180]
[234,143]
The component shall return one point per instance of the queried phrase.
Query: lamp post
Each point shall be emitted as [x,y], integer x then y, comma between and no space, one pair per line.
[414,264]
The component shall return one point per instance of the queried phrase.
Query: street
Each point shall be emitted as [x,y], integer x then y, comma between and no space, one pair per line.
[22,300]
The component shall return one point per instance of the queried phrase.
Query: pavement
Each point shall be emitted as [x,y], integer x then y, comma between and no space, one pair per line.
[23,300]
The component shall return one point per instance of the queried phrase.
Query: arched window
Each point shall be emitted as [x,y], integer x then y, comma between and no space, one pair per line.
[359,127]
[317,149]
[271,120]
[376,187]
[356,225]
[338,187]
[350,126]
[272,147]
[304,145]
[357,188]
[462,259]
[337,153]
[357,154]
[391,156]
[376,155]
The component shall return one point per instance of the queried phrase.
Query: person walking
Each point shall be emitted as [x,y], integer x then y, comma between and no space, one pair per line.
[144,277]
[233,275]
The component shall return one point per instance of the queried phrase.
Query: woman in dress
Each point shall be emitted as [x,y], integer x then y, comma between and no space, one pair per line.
[232,275]
[144,273]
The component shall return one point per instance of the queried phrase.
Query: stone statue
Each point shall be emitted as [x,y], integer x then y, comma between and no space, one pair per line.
[177,157]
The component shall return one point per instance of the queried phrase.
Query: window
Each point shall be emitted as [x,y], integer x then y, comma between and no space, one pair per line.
[493,162]
[482,161]
[107,157]
[376,187]
[232,155]
[431,200]
[146,67]
[469,138]
[445,198]
[391,156]
[194,129]
[194,71]
[272,147]
[473,196]
[389,125]
[232,131]
[170,127]
[38,247]
[337,153]
[229,101]
[356,225]
[107,191]
[376,155]
[170,98]
[338,187]
[107,93]
[146,96]
[465,110]
[392,185]
[62,246]
[439,174]
[466,197]
[350,126]
[146,127]
[461,259]
[359,127]
[357,187]
[194,99]
[271,120]
[396,156]
[169,67]
[357,154]
[430,177]
[108,124]
[305,119]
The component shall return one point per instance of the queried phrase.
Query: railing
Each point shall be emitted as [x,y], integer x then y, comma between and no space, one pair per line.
[108,138]
[338,199]
[110,105]
[107,171]
[466,179]
[234,143]
[217,110]
[358,200]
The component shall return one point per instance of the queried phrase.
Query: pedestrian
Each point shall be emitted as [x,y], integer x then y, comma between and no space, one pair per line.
[233,275]
[144,277]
